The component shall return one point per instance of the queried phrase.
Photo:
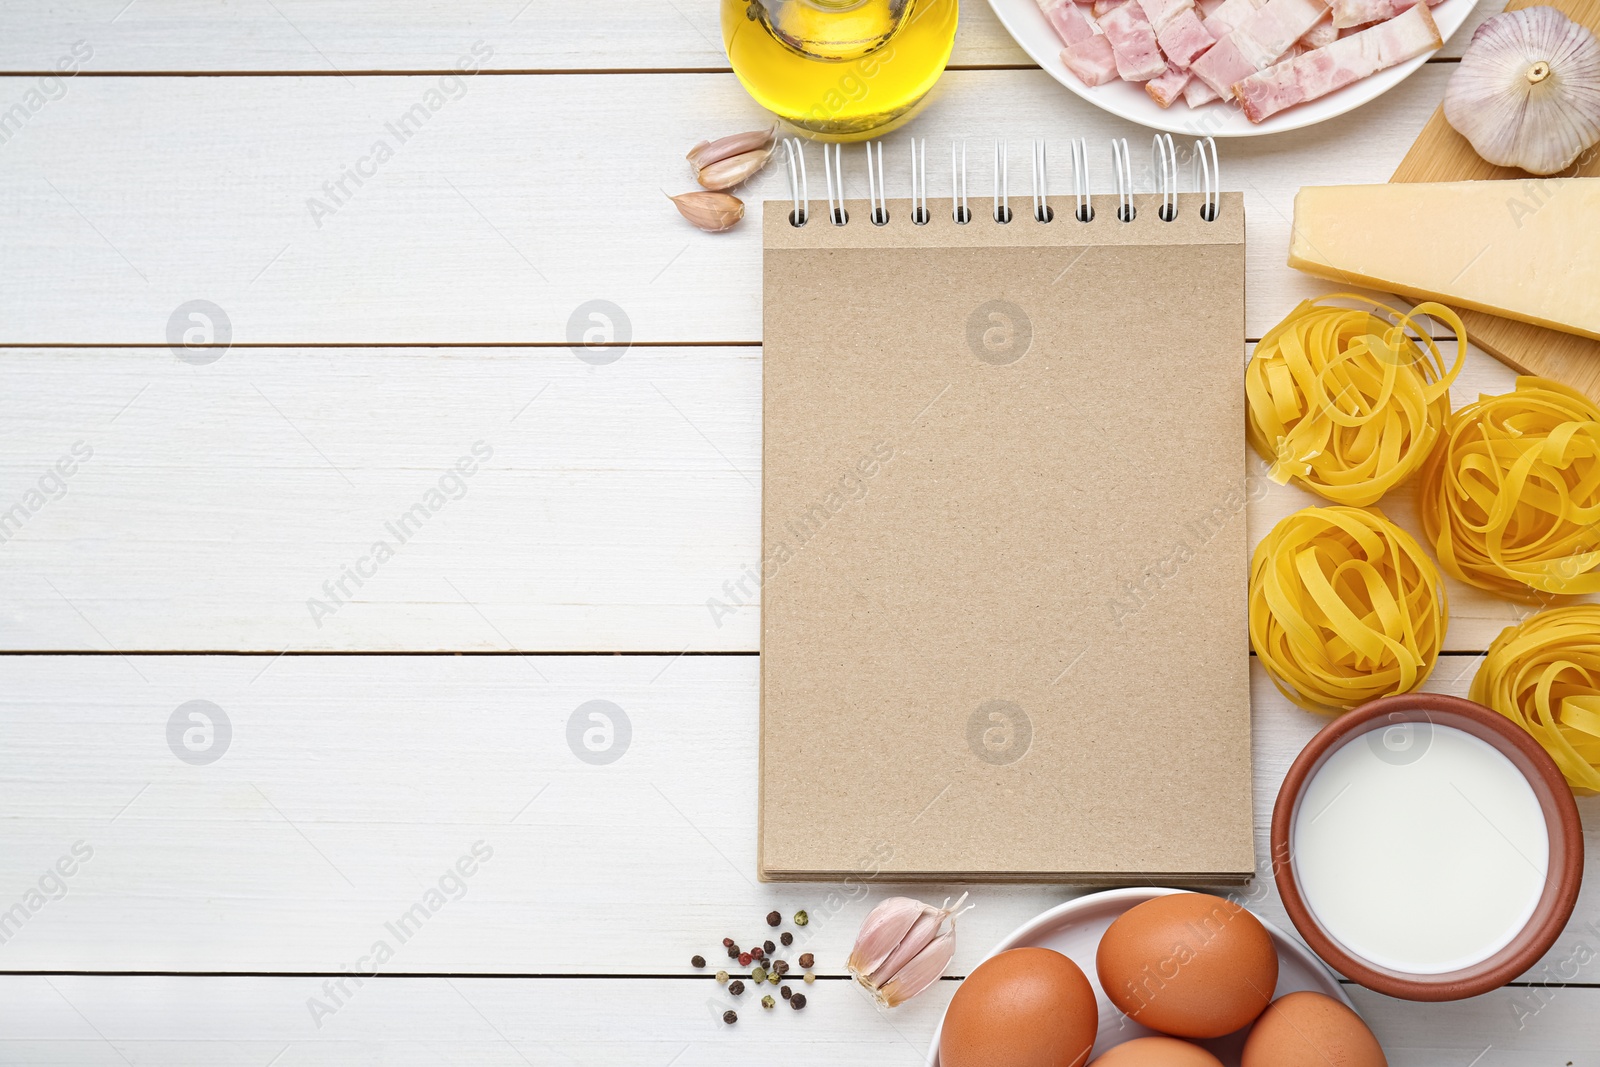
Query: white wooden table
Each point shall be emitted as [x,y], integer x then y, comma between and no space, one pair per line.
[370,748]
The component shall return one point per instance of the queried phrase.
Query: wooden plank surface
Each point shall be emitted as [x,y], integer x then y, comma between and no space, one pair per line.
[492,1023]
[248,1022]
[618,510]
[369,35]
[220,496]
[494,221]
[348,786]
[227,500]
[1443,155]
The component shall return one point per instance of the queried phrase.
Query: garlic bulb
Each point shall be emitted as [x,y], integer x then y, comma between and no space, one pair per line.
[1527,91]
[903,947]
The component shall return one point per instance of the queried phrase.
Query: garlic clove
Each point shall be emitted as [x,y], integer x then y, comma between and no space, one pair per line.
[706,153]
[712,212]
[920,972]
[903,947]
[881,931]
[726,173]
[1527,91]
[921,934]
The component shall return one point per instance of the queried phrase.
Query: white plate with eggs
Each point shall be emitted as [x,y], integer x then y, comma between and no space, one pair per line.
[1075,928]
[1028,26]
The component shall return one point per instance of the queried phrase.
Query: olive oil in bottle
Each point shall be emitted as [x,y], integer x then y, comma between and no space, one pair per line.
[842,70]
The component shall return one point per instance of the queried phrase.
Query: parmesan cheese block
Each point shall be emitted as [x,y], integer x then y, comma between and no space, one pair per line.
[1523,249]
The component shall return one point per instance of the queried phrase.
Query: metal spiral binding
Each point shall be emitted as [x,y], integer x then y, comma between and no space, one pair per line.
[832,162]
[1002,182]
[919,182]
[1123,163]
[1084,211]
[1042,211]
[1165,160]
[1208,178]
[796,156]
[877,191]
[958,186]
[1164,167]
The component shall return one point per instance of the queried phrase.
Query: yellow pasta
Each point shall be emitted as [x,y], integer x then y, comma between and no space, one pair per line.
[1544,675]
[1511,497]
[1344,608]
[1348,403]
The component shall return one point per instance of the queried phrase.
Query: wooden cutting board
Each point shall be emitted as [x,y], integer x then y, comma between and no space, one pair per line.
[1443,155]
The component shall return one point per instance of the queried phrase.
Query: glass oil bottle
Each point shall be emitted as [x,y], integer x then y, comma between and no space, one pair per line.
[841,70]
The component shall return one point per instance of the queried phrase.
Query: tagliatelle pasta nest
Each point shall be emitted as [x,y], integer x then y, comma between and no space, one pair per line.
[1348,403]
[1511,496]
[1544,675]
[1344,608]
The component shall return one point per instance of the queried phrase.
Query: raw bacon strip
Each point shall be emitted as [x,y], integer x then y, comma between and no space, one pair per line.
[1347,13]
[1091,60]
[1183,38]
[1133,43]
[1161,12]
[1268,34]
[1068,19]
[1167,88]
[1324,32]
[1223,65]
[1198,93]
[1226,16]
[1349,59]
[1257,42]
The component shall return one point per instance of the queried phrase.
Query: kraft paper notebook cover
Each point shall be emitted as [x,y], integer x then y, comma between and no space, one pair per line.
[1004,561]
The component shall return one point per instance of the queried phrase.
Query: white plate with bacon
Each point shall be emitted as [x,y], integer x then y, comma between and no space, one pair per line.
[1230,68]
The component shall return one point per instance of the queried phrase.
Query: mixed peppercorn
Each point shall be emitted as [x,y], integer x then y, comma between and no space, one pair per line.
[765,967]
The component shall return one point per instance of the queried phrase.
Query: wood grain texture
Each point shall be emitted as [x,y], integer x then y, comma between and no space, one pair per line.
[220,499]
[369,35]
[490,1022]
[1443,155]
[372,35]
[351,785]
[504,212]
[216,493]
[619,511]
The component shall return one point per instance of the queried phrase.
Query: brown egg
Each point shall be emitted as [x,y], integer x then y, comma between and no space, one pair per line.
[1027,1007]
[1310,1030]
[1156,1052]
[1188,964]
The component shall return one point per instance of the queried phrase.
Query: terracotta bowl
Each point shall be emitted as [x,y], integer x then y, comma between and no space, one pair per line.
[1560,816]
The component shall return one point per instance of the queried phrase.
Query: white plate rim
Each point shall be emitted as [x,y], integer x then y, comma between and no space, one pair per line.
[1029,32]
[1133,895]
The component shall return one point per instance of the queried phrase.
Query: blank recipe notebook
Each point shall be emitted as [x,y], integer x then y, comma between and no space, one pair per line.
[1004,558]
